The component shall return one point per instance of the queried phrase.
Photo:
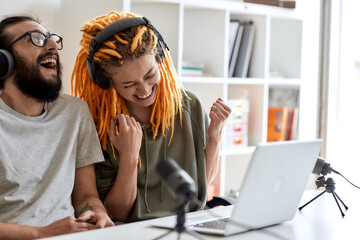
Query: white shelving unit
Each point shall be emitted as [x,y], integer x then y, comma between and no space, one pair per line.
[286,40]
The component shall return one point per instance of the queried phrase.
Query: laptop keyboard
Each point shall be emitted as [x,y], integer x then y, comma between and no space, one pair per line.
[216,224]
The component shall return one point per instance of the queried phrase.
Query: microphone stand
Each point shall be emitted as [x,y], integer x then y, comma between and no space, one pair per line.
[180,225]
[329,185]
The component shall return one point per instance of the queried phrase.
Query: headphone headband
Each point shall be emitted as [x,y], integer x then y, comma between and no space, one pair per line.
[108,32]
[113,28]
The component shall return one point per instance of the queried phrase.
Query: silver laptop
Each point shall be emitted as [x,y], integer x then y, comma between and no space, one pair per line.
[270,193]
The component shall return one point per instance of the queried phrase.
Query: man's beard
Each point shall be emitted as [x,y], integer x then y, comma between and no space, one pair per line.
[30,81]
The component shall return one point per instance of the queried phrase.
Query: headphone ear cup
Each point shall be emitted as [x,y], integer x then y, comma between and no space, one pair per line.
[101,80]
[7,64]
[96,77]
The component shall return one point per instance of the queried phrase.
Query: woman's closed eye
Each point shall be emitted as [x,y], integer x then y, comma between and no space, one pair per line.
[129,84]
[150,76]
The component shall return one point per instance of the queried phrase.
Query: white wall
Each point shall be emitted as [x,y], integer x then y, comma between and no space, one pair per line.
[73,16]
[64,17]
[47,11]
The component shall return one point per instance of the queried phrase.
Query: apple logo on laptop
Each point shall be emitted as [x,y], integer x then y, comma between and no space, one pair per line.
[278,186]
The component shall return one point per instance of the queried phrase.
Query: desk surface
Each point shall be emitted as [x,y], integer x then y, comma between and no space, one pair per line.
[319,220]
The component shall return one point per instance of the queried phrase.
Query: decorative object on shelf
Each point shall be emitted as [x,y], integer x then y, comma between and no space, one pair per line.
[277,74]
[283,97]
[277,3]
[237,125]
[277,123]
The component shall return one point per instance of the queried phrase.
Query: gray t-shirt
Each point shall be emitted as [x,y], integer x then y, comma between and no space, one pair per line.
[38,157]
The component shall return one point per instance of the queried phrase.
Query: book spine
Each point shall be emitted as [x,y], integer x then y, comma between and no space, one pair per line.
[277,123]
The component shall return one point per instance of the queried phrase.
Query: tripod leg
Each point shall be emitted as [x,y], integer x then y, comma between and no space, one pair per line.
[164,235]
[311,200]
[346,207]
[342,214]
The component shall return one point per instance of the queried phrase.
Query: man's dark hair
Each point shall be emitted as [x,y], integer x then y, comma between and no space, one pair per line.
[5,38]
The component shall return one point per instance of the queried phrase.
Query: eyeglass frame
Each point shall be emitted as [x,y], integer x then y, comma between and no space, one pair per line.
[37,31]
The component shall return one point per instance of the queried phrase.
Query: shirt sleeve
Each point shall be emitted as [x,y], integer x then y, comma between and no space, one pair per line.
[88,147]
[105,173]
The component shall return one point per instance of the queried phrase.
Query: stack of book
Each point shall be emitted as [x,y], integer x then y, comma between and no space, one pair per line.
[192,68]
[241,41]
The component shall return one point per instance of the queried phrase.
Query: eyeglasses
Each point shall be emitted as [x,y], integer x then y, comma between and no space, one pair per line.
[39,39]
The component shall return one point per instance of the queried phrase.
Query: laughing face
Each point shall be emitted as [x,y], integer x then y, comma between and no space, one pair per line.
[37,69]
[137,81]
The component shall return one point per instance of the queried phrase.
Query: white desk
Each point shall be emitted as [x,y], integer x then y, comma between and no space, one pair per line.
[320,220]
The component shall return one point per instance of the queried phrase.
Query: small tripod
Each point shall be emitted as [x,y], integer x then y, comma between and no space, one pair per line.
[180,227]
[329,185]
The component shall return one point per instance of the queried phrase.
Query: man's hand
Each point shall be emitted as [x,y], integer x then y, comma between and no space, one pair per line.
[87,205]
[65,226]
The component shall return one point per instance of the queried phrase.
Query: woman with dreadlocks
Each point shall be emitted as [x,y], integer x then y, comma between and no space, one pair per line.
[143,115]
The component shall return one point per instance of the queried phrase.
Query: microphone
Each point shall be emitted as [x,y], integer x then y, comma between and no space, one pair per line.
[322,167]
[179,182]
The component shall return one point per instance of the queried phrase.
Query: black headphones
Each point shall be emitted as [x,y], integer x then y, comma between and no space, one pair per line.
[109,31]
[7,64]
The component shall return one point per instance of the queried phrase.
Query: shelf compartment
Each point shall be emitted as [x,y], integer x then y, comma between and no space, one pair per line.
[258,60]
[257,96]
[285,49]
[284,96]
[204,31]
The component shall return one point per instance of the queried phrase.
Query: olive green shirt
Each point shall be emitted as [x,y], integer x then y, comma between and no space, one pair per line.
[187,148]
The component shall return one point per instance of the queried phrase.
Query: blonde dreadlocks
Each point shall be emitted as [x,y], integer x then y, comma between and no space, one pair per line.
[134,42]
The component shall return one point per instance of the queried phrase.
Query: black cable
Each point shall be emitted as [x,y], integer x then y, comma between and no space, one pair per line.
[344,178]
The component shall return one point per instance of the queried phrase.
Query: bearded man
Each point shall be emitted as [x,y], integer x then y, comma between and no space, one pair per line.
[48,140]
